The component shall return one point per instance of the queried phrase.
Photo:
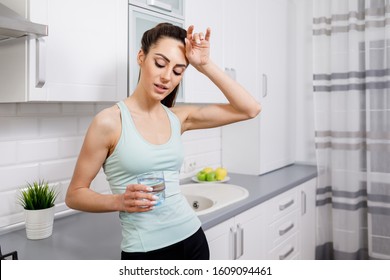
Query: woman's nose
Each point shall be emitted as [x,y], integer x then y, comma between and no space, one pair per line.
[166,75]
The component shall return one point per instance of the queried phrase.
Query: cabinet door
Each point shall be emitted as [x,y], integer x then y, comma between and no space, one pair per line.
[221,240]
[84,57]
[203,14]
[240,56]
[276,70]
[251,234]
[308,219]
[242,237]
[270,136]
[233,46]
[86,50]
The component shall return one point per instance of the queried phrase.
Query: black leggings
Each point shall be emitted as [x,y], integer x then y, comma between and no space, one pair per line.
[194,247]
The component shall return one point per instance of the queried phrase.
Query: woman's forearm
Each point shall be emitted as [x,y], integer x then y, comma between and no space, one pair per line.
[85,199]
[238,96]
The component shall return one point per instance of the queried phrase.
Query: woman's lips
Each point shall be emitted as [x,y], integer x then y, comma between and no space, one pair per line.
[160,88]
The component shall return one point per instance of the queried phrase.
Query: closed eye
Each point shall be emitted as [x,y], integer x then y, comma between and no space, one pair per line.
[159,65]
[177,73]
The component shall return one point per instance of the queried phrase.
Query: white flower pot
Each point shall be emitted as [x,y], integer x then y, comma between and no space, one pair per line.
[39,223]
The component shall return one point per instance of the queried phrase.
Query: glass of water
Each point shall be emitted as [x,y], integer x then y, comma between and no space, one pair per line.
[154,179]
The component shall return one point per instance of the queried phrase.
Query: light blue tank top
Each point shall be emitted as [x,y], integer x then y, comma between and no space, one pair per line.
[168,223]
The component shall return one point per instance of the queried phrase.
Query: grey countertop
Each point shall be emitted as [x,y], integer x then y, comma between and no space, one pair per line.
[98,236]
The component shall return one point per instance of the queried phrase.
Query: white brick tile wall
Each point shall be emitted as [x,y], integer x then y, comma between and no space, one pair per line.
[58,126]
[8,152]
[57,170]
[15,128]
[38,109]
[14,176]
[8,109]
[37,150]
[43,140]
[70,146]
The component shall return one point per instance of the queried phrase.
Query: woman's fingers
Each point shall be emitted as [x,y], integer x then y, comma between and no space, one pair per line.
[137,198]
[197,37]
[189,32]
[208,34]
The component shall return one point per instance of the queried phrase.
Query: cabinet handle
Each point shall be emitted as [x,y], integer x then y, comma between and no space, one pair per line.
[265,85]
[240,231]
[285,206]
[160,5]
[233,241]
[285,255]
[231,72]
[40,70]
[287,229]
[234,76]
[303,203]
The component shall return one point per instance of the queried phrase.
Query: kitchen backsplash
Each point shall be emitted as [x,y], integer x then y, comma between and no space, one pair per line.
[42,141]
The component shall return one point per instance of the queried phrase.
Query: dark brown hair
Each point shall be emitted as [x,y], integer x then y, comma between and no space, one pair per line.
[151,37]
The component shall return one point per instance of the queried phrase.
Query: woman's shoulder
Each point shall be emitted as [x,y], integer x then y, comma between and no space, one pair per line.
[108,120]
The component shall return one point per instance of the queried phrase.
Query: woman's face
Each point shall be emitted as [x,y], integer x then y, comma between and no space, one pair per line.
[162,68]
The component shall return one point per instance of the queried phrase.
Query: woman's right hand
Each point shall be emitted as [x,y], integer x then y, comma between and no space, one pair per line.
[137,198]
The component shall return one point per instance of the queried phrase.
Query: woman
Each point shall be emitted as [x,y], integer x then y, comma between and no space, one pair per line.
[142,133]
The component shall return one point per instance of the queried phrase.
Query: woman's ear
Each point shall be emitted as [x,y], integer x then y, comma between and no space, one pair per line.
[140,57]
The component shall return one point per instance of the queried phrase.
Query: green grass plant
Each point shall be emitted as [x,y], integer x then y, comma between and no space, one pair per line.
[38,195]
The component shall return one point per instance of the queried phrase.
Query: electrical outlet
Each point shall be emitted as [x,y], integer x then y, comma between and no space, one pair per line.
[190,165]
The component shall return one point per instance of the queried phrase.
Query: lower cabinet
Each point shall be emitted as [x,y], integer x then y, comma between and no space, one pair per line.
[280,228]
[240,237]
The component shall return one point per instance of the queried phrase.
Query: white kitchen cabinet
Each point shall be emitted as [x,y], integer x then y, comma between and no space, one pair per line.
[281,228]
[240,237]
[266,142]
[84,57]
[290,223]
[250,236]
[220,240]
[233,46]
[282,225]
[203,14]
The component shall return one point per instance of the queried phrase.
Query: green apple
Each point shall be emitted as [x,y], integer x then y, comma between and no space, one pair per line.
[210,176]
[201,176]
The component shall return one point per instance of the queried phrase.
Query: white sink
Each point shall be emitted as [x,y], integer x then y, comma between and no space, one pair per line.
[207,198]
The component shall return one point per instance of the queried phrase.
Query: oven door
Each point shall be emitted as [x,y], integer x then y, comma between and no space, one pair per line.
[141,20]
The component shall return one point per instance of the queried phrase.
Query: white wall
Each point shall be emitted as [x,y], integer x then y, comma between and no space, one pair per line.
[42,141]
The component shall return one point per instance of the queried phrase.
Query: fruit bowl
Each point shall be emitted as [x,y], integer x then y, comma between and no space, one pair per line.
[209,174]
[195,179]
[213,196]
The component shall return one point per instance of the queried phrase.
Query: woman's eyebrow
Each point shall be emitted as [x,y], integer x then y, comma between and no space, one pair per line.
[167,59]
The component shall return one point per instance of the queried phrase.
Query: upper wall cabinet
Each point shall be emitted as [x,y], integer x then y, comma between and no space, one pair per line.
[233,41]
[202,14]
[270,136]
[84,57]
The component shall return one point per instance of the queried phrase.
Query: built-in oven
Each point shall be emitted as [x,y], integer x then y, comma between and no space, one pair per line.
[143,15]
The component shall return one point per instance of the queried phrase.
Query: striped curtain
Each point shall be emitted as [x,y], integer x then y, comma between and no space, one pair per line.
[351,83]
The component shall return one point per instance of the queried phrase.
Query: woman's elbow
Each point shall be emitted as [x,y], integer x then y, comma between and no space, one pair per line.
[254,110]
[70,200]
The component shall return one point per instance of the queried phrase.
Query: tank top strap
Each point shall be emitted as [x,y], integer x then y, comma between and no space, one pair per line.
[125,116]
[175,122]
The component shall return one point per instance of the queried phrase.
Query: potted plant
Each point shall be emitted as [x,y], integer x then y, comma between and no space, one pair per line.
[38,201]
